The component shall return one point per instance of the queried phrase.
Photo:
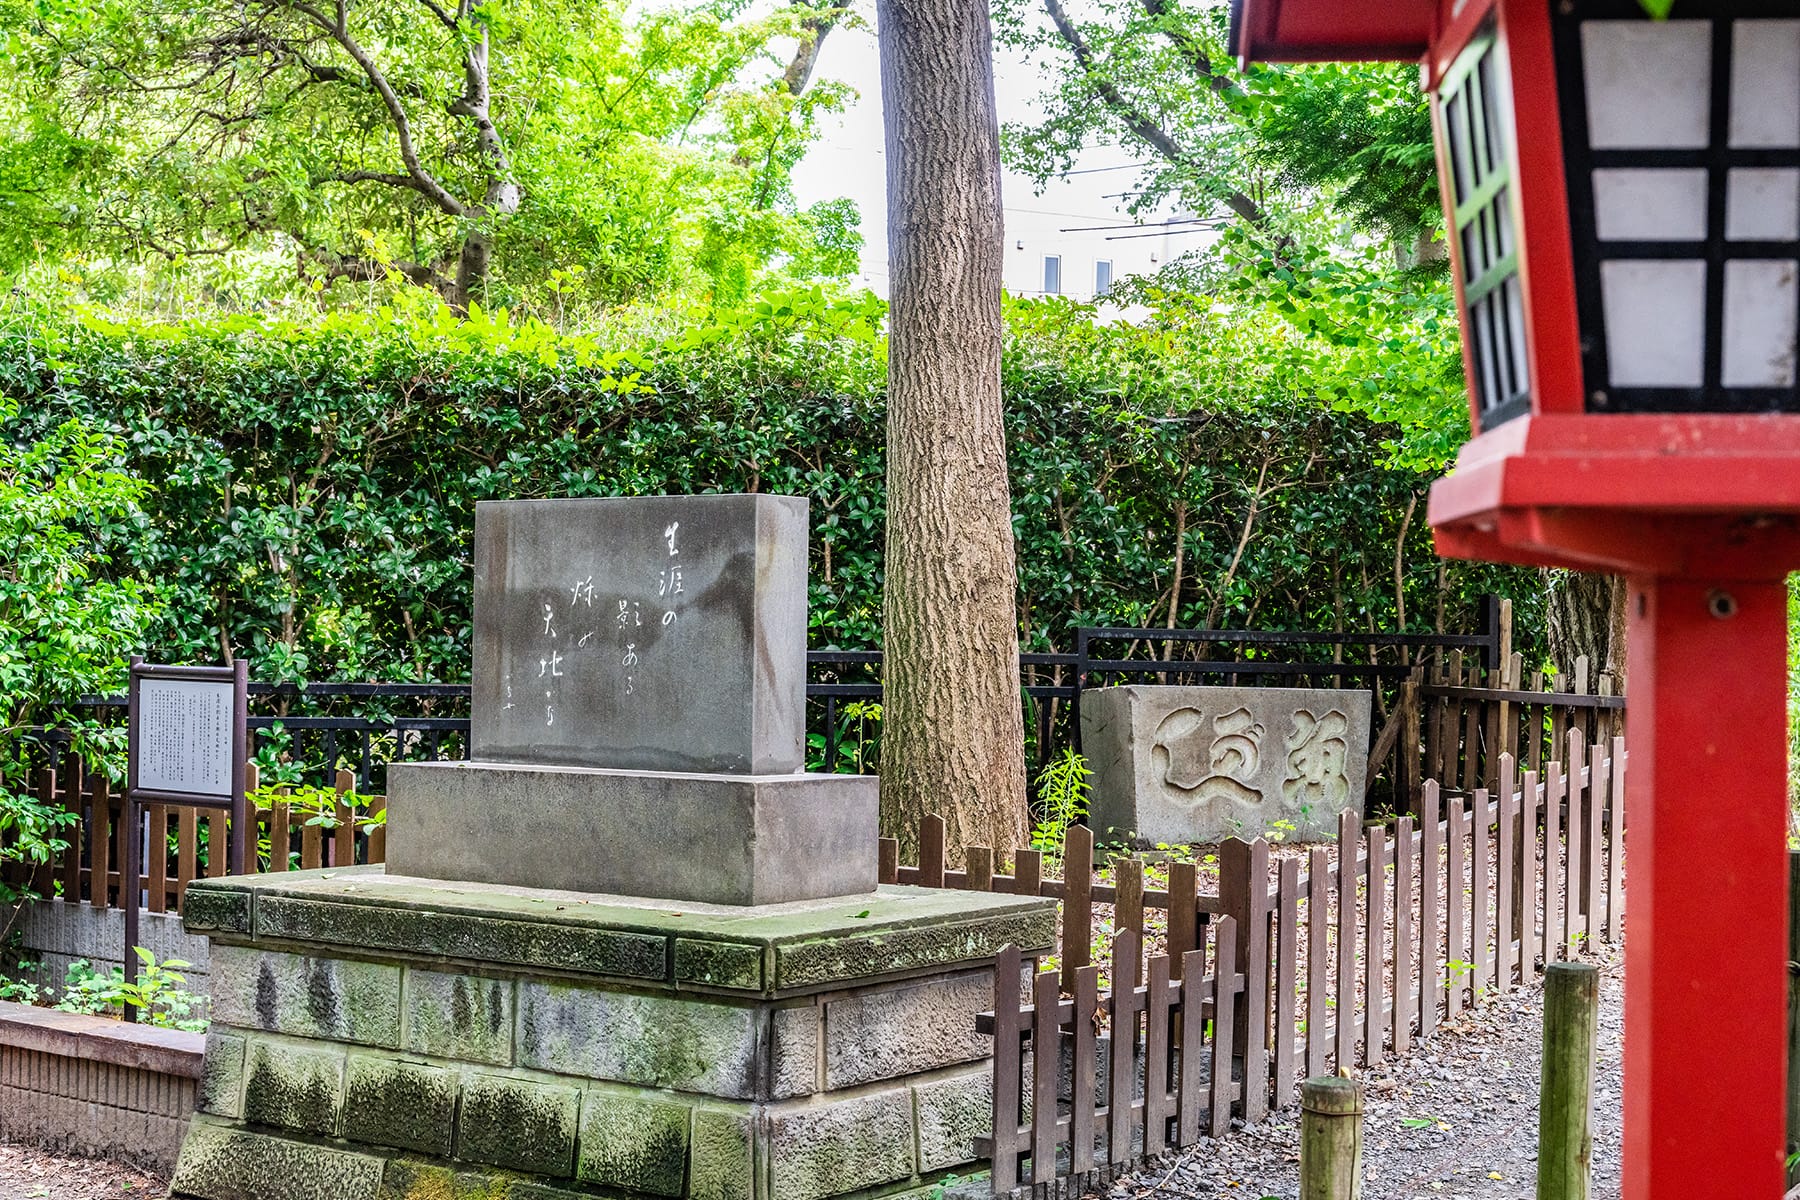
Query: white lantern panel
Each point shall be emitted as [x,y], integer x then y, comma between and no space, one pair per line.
[1655,314]
[1765,84]
[1760,310]
[1762,204]
[1650,204]
[1511,297]
[1649,84]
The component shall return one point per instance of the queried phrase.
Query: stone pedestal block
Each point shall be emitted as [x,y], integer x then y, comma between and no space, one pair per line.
[1202,764]
[380,1037]
[717,839]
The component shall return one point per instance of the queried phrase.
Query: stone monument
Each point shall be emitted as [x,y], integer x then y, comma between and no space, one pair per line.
[639,700]
[631,948]
[1197,765]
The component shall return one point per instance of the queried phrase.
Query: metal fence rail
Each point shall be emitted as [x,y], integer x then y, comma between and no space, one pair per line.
[362,727]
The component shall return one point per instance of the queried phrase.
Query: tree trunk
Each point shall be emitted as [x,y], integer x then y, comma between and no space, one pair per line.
[1587,616]
[953,734]
[501,197]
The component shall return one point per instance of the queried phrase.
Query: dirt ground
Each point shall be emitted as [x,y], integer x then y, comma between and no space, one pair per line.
[34,1175]
[1457,1118]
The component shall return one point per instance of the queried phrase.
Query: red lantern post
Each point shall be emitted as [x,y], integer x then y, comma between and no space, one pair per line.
[1622,198]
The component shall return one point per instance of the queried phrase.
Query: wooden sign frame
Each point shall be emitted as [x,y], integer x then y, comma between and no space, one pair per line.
[137,797]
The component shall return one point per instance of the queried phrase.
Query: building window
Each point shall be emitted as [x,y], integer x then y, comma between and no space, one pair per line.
[1052,274]
[1474,115]
[1102,277]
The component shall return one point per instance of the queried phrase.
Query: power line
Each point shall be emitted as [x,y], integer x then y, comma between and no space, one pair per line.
[1101,170]
[1051,212]
[1135,225]
[1131,237]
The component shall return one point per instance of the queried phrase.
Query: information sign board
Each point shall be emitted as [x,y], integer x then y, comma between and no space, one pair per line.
[184,735]
[187,746]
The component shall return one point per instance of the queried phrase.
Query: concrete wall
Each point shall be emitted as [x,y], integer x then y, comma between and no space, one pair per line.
[54,933]
[96,1088]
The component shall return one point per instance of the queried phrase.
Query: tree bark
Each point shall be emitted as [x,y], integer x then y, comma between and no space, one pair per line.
[953,733]
[813,32]
[1587,616]
[501,196]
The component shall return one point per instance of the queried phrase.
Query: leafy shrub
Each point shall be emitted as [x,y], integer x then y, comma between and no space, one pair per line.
[317,482]
[1062,800]
[313,806]
[70,615]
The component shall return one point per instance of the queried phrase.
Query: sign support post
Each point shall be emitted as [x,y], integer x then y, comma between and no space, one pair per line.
[188,747]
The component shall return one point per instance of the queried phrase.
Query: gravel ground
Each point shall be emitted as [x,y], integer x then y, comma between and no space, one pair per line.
[1457,1118]
[27,1174]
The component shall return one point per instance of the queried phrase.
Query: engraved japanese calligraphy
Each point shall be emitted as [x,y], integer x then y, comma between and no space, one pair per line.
[1197,764]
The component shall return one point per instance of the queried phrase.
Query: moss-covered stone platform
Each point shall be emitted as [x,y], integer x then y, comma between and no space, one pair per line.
[383,1038]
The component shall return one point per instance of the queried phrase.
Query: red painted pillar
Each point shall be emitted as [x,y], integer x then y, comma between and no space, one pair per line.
[1706,944]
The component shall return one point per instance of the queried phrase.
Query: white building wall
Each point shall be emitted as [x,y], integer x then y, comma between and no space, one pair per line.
[850,161]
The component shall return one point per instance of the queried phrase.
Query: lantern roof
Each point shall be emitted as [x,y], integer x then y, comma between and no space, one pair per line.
[1331,30]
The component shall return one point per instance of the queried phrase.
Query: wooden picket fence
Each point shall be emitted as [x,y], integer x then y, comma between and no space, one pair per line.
[193,838]
[1110,1077]
[1345,955]
[1469,718]
[1187,906]
[1404,929]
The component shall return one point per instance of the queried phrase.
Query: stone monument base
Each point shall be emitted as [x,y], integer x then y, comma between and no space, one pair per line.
[718,839]
[377,1037]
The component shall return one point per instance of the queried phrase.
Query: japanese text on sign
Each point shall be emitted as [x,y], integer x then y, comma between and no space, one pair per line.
[184,736]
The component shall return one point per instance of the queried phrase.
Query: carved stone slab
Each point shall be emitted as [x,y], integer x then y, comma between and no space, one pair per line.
[658,633]
[1201,764]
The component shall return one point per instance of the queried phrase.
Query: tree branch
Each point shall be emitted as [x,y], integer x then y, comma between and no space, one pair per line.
[365,270]
[427,185]
[392,179]
[473,104]
[444,17]
[1140,123]
[813,31]
[1192,50]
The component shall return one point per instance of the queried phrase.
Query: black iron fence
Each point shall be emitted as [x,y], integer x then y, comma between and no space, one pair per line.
[305,732]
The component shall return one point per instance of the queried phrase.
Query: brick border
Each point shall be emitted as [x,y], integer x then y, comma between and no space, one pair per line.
[94,1087]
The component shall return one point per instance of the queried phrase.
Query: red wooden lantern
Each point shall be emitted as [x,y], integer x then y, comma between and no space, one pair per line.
[1622,201]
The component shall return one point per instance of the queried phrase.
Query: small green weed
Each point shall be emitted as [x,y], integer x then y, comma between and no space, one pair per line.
[19,990]
[158,995]
[1062,800]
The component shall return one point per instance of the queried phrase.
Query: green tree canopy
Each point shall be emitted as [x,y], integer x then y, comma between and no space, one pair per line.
[1323,179]
[472,146]
[70,613]
[1154,78]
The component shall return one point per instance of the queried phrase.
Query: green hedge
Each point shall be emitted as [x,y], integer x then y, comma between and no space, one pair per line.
[315,484]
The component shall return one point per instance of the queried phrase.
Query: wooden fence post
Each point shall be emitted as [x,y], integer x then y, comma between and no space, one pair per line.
[1566,1100]
[1006,1143]
[1406,769]
[1078,898]
[1244,896]
[1331,1112]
